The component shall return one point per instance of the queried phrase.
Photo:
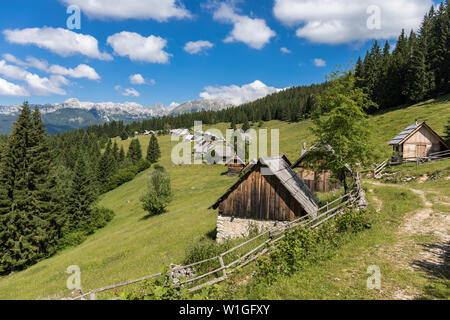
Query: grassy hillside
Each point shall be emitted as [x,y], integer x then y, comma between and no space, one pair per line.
[131,246]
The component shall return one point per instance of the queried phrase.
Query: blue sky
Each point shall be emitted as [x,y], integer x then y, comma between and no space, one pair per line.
[244,37]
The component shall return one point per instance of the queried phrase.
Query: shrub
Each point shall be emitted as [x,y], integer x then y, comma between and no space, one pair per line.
[305,245]
[154,204]
[353,221]
[159,193]
[124,175]
[97,219]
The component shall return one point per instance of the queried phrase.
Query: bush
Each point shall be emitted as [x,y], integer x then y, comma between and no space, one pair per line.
[353,221]
[124,175]
[159,193]
[98,218]
[305,245]
[154,204]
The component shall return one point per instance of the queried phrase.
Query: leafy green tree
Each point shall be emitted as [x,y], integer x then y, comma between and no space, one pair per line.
[153,151]
[344,127]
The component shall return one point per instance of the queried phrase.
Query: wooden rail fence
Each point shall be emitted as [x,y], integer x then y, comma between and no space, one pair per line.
[244,253]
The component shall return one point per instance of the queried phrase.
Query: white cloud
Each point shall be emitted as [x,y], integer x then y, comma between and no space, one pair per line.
[137,79]
[139,48]
[36,85]
[285,50]
[253,32]
[11,89]
[127,92]
[238,95]
[320,62]
[194,47]
[81,71]
[160,10]
[61,41]
[342,21]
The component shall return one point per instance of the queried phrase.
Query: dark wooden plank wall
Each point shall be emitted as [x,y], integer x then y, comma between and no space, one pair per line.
[235,168]
[261,198]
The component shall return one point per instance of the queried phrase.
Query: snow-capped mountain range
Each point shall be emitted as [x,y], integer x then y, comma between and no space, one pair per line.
[73,114]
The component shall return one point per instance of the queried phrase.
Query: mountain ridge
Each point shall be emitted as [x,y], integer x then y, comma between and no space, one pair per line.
[74,114]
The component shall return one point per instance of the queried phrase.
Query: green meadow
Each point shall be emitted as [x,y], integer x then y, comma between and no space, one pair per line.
[132,246]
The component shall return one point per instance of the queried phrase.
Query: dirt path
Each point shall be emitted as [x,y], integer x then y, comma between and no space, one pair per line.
[410,252]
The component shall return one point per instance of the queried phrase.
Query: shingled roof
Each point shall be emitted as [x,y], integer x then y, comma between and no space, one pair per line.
[314,148]
[280,167]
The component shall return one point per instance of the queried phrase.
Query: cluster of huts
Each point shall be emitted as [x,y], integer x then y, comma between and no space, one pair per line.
[208,144]
[273,191]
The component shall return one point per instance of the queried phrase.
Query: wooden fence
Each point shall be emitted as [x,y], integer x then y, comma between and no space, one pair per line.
[380,168]
[437,156]
[242,254]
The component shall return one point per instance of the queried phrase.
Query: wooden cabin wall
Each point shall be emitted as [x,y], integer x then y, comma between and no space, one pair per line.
[421,144]
[317,182]
[261,198]
[234,168]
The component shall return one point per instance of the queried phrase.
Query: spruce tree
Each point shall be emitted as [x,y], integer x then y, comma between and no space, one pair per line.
[106,165]
[153,151]
[447,132]
[439,50]
[246,126]
[28,212]
[425,40]
[121,155]
[416,74]
[135,151]
[81,197]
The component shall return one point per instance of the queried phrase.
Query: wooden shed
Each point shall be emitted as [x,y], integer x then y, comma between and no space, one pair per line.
[235,165]
[270,190]
[317,181]
[417,141]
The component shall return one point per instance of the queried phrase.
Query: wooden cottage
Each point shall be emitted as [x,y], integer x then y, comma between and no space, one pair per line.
[317,181]
[417,141]
[235,165]
[268,194]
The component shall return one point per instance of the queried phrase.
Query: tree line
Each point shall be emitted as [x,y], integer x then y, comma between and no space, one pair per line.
[49,187]
[417,68]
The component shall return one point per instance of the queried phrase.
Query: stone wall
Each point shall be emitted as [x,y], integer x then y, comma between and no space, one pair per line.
[229,228]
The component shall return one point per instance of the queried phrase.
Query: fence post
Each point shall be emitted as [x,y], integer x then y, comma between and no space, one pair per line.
[222,265]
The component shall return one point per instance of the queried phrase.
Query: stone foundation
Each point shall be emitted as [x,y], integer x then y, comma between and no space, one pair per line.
[229,228]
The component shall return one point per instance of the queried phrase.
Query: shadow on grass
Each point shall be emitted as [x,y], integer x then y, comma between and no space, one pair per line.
[440,99]
[148,216]
[212,234]
[438,267]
